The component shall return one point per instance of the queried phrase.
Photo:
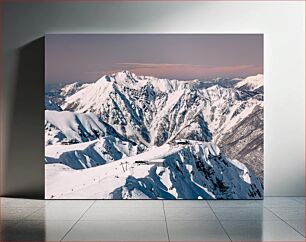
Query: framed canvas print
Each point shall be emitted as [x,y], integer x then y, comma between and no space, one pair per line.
[154,116]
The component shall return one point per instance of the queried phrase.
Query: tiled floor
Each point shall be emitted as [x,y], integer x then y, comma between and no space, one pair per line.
[274,219]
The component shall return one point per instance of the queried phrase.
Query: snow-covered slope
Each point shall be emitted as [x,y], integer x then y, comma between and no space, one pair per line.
[192,171]
[54,96]
[235,119]
[251,83]
[145,109]
[110,122]
[91,153]
[227,107]
[69,128]
[50,105]
[224,82]
[153,111]
[244,141]
[72,88]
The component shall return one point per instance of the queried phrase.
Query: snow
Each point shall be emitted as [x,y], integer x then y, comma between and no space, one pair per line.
[252,82]
[50,105]
[92,146]
[244,171]
[72,88]
[90,154]
[56,151]
[94,94]
[66,126]
[175,180]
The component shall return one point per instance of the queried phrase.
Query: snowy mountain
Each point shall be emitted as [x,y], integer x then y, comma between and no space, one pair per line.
[50,105]
[124,118]
[244,141]
[223,82]
[235,119]
[153,111]
[91,153]
[82,140]
[252,83]
[70,128]
[71,89]
[145,109]
[54,96]
[172,171]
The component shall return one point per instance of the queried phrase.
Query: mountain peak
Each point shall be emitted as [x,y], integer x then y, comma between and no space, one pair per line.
[71,88]
[126,73]
[252,82]
[125,77]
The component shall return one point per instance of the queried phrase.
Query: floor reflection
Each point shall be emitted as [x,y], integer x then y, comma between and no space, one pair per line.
[274,219]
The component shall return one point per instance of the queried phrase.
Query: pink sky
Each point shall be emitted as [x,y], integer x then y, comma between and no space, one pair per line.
[86,57]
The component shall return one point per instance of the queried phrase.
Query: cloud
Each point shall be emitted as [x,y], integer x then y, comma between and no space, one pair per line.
[180,71]
[189,70]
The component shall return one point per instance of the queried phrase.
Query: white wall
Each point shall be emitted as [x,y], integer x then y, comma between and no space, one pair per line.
[283,25]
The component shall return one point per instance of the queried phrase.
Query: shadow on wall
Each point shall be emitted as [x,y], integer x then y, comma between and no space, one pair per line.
[24,170]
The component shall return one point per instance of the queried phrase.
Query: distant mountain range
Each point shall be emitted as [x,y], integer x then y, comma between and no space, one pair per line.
[146,137]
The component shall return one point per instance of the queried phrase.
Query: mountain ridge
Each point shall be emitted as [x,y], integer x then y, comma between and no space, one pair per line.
[146,112]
